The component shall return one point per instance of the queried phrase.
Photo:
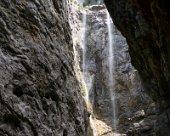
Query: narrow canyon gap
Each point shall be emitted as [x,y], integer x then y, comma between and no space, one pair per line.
[122,89]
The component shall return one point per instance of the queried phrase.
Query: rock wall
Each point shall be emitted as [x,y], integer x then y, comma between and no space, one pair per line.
[146,26]
[40,94]
[135,110]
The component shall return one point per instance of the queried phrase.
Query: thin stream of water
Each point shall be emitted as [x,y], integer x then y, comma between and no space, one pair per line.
[111,69]
[87,79]
[83,44]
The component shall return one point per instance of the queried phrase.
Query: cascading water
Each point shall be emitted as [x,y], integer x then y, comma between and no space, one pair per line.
[83,44]
[87,79]
[111,69]
[84,41]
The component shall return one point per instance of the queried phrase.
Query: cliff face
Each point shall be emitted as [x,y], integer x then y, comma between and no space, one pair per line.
[146,26]
[39,90]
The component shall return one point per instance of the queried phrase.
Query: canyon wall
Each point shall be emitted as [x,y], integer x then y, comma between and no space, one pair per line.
[146,26]
[40,93]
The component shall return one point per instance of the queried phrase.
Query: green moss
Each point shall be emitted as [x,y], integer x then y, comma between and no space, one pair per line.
[79,6]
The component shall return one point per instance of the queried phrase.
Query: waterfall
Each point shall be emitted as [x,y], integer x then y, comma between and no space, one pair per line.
[83,46]
[87,78]
[84,41]
[111,69]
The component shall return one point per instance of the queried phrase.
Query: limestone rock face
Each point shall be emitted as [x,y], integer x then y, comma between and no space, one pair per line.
[40,93]
[146,26]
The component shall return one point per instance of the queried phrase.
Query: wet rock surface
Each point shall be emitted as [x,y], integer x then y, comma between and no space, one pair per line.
[40,94]
[146,26]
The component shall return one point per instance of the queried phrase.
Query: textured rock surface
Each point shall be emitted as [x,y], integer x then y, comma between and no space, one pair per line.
[39,91]
[146,26]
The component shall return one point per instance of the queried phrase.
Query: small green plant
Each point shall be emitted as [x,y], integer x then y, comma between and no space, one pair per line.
[80,6]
